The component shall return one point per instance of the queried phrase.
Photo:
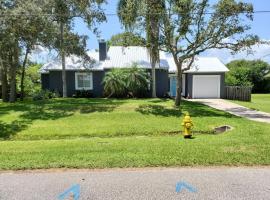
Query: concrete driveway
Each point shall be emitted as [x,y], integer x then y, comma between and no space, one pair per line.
[215,183]
[235,109]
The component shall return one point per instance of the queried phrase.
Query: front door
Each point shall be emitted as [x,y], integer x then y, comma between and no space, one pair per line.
[173,84]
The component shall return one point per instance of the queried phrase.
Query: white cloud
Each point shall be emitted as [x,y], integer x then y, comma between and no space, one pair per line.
[261,51]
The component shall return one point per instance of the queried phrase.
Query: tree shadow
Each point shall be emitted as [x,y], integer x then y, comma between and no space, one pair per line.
[9,130]
[50,110]
[194,109]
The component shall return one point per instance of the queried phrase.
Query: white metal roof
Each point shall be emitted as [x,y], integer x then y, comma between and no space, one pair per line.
[121,57]
[201,65]
[73,63]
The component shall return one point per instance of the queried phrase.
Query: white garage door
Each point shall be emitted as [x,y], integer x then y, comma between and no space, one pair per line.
[206,86]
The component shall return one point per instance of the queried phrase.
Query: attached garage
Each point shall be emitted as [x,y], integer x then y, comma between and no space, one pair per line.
[205,79]
[206,86]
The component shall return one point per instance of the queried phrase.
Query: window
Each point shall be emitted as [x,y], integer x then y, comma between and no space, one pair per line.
[84,81]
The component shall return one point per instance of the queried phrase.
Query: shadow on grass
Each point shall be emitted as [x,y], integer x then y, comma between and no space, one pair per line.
[50,110]
[194,109]
[9,130]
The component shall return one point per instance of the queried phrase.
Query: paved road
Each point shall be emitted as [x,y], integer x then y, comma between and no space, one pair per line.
[235,109]
[127,184]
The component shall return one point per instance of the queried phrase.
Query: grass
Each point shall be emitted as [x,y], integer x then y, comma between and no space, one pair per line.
[259,102]
[102,133]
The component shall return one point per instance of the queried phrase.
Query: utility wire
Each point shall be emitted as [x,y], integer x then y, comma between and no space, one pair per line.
[115,14]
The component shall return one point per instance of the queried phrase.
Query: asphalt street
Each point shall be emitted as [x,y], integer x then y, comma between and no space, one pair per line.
[151,183]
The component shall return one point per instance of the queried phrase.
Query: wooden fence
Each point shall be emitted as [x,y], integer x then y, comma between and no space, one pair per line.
[239,93]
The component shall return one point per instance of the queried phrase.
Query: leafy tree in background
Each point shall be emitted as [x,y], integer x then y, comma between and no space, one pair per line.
[32,83]
[249,73]
[23,25]
[126,39]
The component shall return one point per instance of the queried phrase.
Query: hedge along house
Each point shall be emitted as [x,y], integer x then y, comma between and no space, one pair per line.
[80,78]
[205,79]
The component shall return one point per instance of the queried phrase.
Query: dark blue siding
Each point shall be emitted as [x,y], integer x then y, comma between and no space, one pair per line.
[53,82]
[162,79]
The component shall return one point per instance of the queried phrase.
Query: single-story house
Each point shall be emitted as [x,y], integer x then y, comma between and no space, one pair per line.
[204,80]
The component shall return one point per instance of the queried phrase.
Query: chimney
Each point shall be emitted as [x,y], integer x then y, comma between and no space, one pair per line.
[102,50]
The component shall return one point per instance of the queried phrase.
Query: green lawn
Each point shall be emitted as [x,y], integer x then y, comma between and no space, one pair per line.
[101,133]
[259,102]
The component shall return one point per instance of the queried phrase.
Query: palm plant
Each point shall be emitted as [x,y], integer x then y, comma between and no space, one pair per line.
[129,11]
[114,83]
[136,81]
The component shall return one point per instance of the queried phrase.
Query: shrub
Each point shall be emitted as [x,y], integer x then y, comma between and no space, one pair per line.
[249,73]
[44,95]
[126,82]
[83,94]
[137,81]
[114,83]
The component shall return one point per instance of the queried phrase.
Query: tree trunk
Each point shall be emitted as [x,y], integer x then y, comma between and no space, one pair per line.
[23,73]
[63,58]
[154,87]
[178,87]
[3,72]
[13,71]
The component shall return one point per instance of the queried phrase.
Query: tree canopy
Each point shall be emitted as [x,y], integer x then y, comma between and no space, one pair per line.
[127,39]
[249,73]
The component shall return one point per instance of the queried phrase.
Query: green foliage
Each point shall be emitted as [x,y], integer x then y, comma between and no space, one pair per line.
[126,39]
[114,83]
[32,82]
[44,95]
[249,73]
[137,81]
[126,82]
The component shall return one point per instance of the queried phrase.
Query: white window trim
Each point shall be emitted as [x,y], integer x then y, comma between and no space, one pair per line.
[91,80]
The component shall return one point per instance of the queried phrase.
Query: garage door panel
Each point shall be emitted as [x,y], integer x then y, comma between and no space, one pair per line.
[206,86]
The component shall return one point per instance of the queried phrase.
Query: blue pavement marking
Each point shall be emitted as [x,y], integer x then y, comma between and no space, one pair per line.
[181,185]
[75,190]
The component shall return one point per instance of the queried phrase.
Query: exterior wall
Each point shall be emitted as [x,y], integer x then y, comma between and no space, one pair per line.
[53,82]
[162,79]
[45,81]
[189,83]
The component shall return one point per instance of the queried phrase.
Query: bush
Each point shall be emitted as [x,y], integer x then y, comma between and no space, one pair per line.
[44,95]
[83,94]
[249,73]
[128,82]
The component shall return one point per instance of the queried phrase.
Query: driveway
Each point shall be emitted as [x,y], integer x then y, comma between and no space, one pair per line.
[235,109]
[154,183]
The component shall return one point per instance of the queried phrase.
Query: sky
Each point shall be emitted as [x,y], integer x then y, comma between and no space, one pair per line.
[260,26]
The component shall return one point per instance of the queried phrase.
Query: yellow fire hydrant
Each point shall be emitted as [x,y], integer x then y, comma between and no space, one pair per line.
[187,124]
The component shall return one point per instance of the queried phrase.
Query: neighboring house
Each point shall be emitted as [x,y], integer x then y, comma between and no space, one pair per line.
[204,80]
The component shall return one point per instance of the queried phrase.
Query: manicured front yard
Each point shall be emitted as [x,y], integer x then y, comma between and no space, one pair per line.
[101,133]
[259,102]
